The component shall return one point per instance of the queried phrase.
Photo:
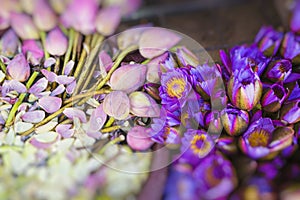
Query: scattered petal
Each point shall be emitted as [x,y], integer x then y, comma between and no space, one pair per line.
[18,68]
[33,116]
[75,113]
[50,104]
[116,104]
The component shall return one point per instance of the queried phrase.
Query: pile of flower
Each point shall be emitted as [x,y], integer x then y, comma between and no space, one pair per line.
[82,116]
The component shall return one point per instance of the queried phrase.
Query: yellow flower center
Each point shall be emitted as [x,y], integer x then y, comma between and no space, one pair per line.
[259,138]
[175,87]
[199,145]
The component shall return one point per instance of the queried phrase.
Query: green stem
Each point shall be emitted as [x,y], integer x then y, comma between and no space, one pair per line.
[22,96]
[69,49]
[107,77]
[2,65]
[76,40]
[43,39]
[112,142]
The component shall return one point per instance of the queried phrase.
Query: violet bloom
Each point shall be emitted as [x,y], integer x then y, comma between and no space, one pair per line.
[214,177]
[262,140]
[290,111]
[206,79]
[242,57]
[174,89]
[234,120]
[273,98]
[291,47]
[244,89]
[196,144]
[268,40]
[278,70]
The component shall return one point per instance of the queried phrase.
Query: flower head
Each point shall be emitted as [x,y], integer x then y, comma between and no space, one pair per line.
[244,88]
[278,70]
[291,47]
[273,98]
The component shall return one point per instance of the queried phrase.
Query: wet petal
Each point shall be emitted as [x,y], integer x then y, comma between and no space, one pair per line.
[18,69]
[56,42]
[151,43]
[71,87]
[50,104]
[107,20]
[24,26]
[138,138]
[33,116]
[49,62]
[75,113]
[128,77]
[116,104]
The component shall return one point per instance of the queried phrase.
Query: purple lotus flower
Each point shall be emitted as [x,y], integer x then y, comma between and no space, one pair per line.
[196,144]
[268,40]
[33,51]
[278,70]
[18,68]
[244,89]
[206,79]
[262,140]
[295,19]
[291,47]
[243,57]
[273,98]
[214,177]
[174,89]
[9,43]
[290,112]
[234,120]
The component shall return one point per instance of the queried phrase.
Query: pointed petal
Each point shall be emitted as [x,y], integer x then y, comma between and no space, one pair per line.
[56,42]
[18,68]
[50,104]
[75,113]
[33,116]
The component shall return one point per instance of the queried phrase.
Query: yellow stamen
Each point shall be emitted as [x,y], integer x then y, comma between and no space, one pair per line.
[259,138]
[175,87]
[204,148]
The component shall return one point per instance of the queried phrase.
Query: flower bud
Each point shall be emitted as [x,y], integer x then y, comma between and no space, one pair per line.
[268,40]
[234,120]
[18,68]
[56,42]
[279,70]
[128,78]
[244,89]
[152,45]
[142,105]
[186,57]
[273,98]
[213,122]
[227,145]
[282,137]
[24,26]
[33,51]
[290,48]
[290,112]
[43,15]
[107,20]
[117,105]
[9,43]
[152,90]
[138,138]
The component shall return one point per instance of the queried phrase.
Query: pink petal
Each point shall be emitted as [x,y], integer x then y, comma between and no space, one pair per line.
[155,41]
[69,67]
[58,90]
[18,68]
[49,62]
[105,62]
[43,15]
[12,85]
[24,26]
[33,116]
[56,42]
[9,43]
[71,87]
[138,138]
[97,119]
[44,140]
[74,112]
[128,78]
[50,104]
[108,20]
[116,104]
[50,76]
[33,51]
[94,134]
[65,130]
[39,86]
[63,79]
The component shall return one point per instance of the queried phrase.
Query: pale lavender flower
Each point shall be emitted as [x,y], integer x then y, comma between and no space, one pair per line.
[58,90]
[33,51]
[65,130]
[39,86]
[18,68]
[12,85]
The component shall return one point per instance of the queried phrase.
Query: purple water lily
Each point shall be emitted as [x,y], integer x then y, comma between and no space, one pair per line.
[234,120]
[268,40]
[273,98]
[278,70]
[290,112]
[244,88]
[291,47]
